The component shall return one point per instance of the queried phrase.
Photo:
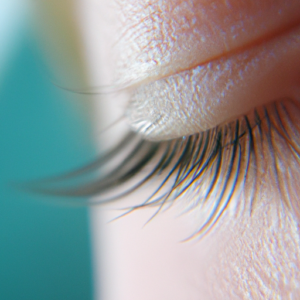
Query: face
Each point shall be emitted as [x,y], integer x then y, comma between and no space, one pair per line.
[224,75]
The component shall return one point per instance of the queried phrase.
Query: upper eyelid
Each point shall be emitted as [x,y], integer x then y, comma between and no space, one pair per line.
[210,94]
[137,75]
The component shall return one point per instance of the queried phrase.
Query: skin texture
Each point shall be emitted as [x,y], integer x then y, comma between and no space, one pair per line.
[156,38]
[243,257]
[253,250]
[213,93]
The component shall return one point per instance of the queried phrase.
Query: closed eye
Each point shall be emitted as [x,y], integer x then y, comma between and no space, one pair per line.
[205,169]
[205,148]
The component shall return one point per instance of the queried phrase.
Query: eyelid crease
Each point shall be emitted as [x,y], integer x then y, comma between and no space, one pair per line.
[119,86]
[159,38]
[208,95]
[209,167]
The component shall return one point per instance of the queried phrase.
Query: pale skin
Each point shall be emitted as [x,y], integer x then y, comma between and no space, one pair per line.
[244,256]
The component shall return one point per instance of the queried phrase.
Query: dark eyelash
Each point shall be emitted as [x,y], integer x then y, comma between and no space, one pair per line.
[213,165]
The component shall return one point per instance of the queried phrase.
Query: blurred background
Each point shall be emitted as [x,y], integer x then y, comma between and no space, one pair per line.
[45,249]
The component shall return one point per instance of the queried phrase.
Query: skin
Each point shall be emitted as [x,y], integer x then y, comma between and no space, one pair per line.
[244,256]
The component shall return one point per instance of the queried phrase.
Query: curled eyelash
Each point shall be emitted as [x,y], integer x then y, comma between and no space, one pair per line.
[207,168]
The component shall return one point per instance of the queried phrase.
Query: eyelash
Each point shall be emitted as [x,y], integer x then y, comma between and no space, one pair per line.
[212,165]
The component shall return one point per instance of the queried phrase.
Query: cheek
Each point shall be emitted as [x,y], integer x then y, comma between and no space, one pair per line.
[260,259]
[258,247]
[149,262]
[251,255]
[243,257]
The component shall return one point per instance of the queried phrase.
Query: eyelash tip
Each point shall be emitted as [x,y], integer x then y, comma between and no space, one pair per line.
[210,166]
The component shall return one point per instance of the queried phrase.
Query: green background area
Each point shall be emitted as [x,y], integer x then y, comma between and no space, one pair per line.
[45,246]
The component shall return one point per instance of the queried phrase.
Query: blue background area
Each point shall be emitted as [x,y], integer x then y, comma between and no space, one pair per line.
[45,247]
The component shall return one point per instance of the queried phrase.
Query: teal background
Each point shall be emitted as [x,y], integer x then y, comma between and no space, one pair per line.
[45,246]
